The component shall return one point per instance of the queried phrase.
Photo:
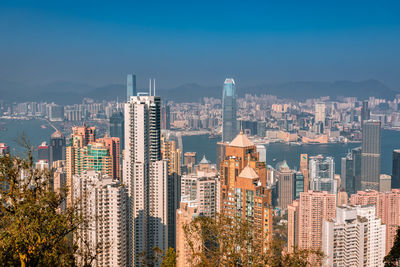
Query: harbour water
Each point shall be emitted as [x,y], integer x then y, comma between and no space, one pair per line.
[38,131]
[278,151]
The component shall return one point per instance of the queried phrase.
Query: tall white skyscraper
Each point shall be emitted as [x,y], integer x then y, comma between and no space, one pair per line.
[354,238]
[146,176]
[102,202]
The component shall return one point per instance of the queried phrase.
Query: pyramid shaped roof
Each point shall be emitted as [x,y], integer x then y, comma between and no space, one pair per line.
[241,140]
[204,160]
[248,172]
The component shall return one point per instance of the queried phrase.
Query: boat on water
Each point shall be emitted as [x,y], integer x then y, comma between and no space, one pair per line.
[43,126]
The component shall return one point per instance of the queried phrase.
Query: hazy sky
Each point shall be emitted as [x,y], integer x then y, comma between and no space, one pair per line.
[98,42]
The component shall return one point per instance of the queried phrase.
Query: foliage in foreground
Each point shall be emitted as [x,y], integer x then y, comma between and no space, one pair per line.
[223,241]
[393,258]
[33,231]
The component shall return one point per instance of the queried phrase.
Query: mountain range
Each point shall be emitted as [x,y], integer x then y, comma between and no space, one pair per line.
[64,92]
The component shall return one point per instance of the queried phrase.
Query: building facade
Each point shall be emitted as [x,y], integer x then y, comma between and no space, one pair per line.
[117,127]
[146,176]
[320,112]
[57,147]
[396,169]
[130,86]
[243,191]
[229,122]
[322,174]
[387,208]
[286,185]
[347,174]
[102,202]
[305,217]
[304,171]
[356,237]
[371,155]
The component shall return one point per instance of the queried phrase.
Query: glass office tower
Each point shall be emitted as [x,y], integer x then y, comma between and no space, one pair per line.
[396,169]
[229,124]
[371,155]
[130,86]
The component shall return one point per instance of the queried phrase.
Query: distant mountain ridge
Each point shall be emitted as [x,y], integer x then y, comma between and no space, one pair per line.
[70,92]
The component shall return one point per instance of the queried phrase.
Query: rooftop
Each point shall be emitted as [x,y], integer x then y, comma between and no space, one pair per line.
[241,140]
[204,160]
[248,172]
[57,134]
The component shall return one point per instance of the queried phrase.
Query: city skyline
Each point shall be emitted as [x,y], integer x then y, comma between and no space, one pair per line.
[213,133]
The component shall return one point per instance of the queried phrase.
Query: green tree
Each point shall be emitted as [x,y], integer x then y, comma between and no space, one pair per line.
[169,259]
[393,258]
[33,231]
[224,241]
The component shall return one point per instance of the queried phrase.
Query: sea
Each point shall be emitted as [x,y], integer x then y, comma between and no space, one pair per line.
[37,131]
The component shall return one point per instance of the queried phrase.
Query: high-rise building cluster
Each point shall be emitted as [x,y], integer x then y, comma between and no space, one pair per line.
[355,231]
[136,187]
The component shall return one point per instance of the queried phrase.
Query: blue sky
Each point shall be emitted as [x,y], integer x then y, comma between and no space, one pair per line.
[98,42]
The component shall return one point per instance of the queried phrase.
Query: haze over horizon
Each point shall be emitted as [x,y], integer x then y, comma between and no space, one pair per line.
[98,43]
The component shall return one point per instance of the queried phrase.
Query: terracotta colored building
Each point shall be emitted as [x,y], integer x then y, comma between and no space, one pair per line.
[185,214]
[305,218]
[243,190]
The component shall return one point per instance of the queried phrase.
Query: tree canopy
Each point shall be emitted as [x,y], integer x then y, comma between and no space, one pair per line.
[225,241]
[33,230]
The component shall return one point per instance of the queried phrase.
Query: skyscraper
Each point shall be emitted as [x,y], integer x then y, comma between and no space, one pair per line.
[130,86]
[298,185]
[320,112]
[165,117]
[43,152]
[286,185]
[385,183]
[322,174]
[117,127]
[85,152]
[396,169]
[347,174]
[171,152]
[229,123]
[387,208]
[57,147]
[220,153]
[102,202]
[365,113]
[188,211]
[305,219]
[146,176]
[114,150]
[354,238]
[304,170]
[243,191]
[356,155]
[371,155]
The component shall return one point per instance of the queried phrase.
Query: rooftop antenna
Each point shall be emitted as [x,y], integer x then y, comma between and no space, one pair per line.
[154,86]
[150,87]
